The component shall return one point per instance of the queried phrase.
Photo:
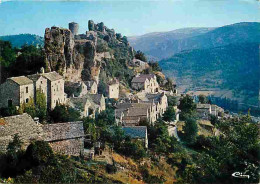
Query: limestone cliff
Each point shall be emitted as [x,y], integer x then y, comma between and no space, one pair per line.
[84,56]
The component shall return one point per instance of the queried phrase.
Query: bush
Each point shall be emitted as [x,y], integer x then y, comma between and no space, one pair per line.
[63,113]
[169,114]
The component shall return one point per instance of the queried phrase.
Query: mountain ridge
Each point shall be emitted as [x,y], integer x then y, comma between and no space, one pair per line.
[234,33]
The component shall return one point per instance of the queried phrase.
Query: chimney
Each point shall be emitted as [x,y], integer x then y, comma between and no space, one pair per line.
[42,70]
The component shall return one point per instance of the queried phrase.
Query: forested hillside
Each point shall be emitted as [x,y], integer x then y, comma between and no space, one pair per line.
[22,39]
[234,67]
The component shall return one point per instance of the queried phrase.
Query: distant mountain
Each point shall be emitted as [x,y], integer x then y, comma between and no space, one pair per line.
[232,68]
[165,44]
[22,39]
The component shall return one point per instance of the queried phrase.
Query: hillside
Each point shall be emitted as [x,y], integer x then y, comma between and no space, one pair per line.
[22,39]
[166,44]
[233,67]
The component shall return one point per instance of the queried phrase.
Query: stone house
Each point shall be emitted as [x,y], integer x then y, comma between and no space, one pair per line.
[65,138]
[92,87]
[88,105]
[24,126]
[135,112]
[113,89]
[130,121]
[146,82]
[216,110]
[55,92]
[16,91]
[160,100]
[77,89]
[137,133]
[39,83]
[203,110]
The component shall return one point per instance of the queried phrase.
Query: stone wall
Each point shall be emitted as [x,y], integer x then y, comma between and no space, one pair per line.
[9,91]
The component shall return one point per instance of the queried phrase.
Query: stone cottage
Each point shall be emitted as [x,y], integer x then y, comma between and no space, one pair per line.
[146,82]
[137,133]
[113,89]
[55,86]
[39,83]
[92,87]
[65,138]
[16,91]
[24,126]
[88,105]
[203,110]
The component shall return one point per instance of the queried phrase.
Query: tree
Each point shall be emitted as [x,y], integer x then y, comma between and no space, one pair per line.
[172,101]
[187,105]
[203,99]
[41,105]
[169,114]
[39,152]
[190,130]
[29,107]
[140,55]
[169,85]
[63,113]
[30,61]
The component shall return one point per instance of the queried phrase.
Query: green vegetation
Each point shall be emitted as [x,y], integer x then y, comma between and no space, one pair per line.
[140,55]
[24,61]
[63,113]
[219,68]
[169,114]
[24,39]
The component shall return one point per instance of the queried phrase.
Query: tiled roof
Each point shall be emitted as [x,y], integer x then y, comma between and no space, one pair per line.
[52,76]
[137,112]
[142,77]
[96,98]
[203,106]
[135,132]
[22,80]
[63,131]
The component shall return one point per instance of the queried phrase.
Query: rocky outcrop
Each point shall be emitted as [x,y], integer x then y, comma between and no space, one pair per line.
[80,56]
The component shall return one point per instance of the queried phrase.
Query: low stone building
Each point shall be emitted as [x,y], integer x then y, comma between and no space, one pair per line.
[146,82]
[137,133]
[16,91]
[65,138]
[136,112]
[24,126]
[203,110]
[113,89]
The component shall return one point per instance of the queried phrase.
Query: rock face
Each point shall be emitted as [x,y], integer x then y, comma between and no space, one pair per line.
[78,57]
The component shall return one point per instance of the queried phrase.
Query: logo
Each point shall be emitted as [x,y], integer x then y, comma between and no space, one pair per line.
[240,175]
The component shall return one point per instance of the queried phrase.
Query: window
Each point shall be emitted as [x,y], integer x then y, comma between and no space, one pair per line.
[27,100]
[26,89]
[41,82]
[10,103]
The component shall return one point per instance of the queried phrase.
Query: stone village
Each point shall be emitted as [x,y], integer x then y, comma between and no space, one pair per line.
[146,101]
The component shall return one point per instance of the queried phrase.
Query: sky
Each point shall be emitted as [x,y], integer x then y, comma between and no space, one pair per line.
[130,18]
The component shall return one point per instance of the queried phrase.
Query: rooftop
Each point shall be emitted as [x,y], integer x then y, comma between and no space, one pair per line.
[135,132]
[63,131]
[21,80]
[52,76]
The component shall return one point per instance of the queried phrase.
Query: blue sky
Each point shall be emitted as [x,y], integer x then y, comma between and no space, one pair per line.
[127,17]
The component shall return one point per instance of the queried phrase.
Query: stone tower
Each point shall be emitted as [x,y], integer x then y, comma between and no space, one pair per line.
[74,27]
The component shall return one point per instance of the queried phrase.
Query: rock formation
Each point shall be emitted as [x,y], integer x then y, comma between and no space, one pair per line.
[80,57]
